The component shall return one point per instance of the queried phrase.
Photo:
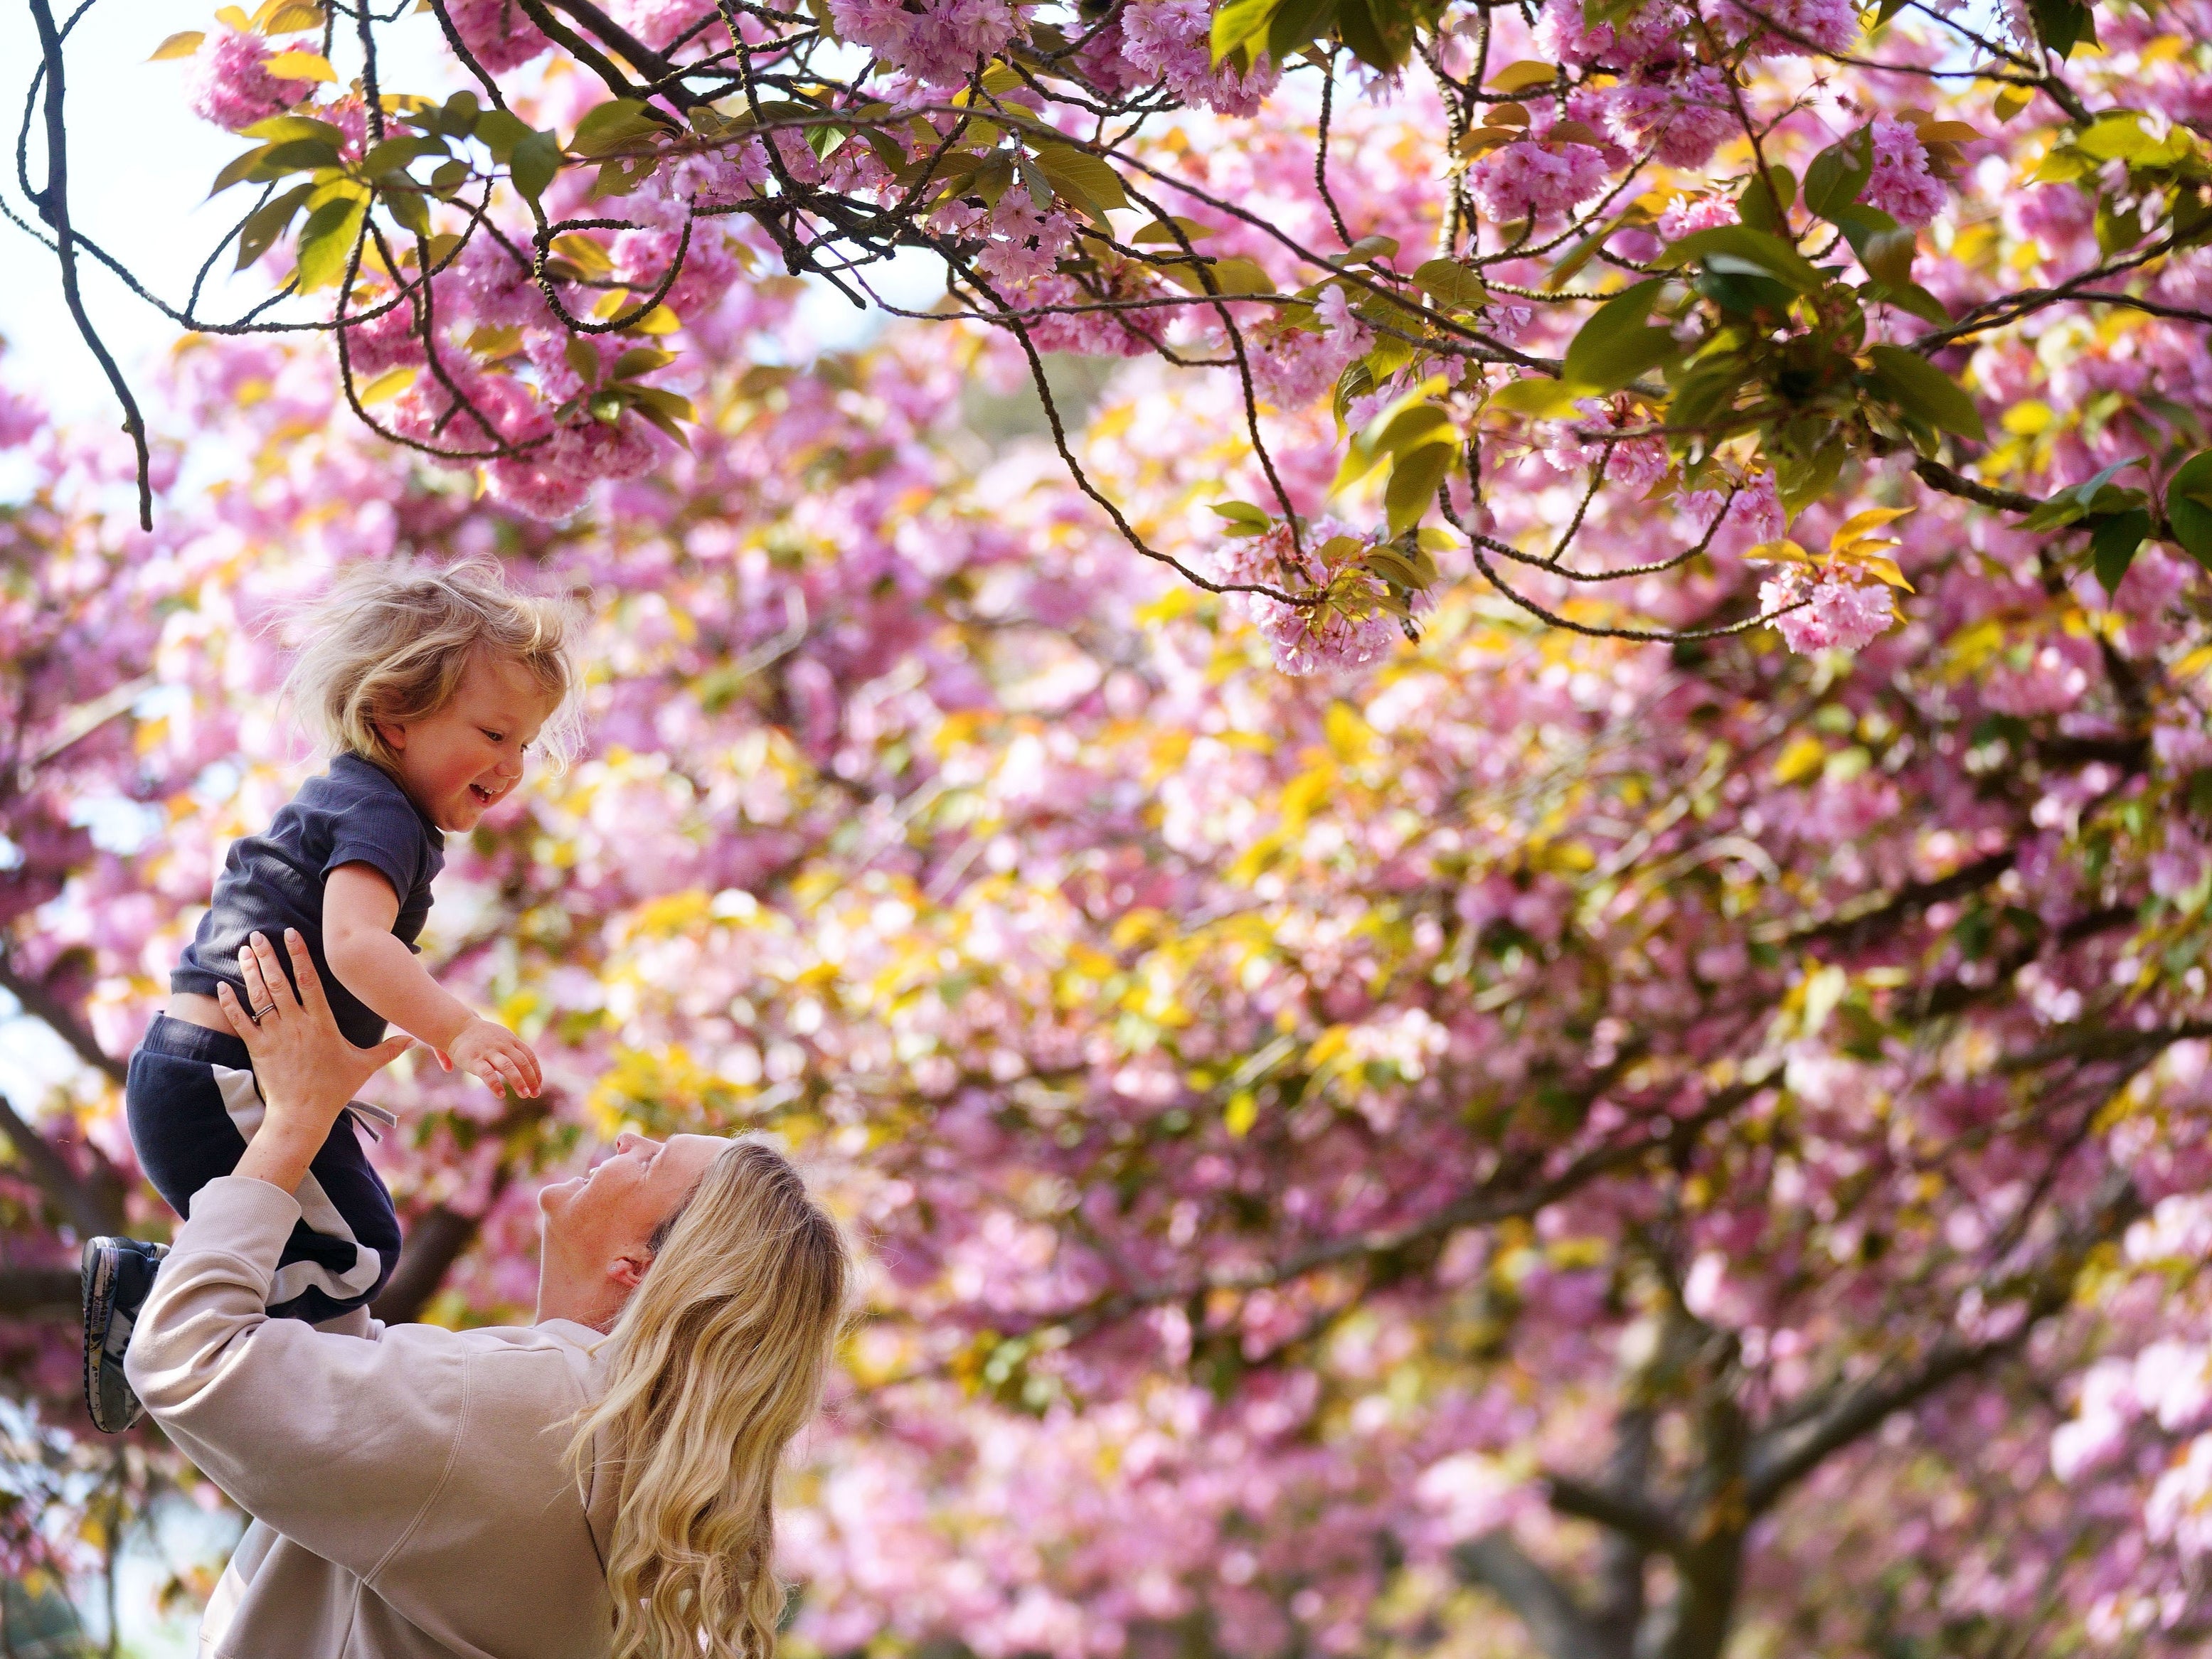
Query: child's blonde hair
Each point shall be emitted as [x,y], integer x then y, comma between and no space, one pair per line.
[392,641]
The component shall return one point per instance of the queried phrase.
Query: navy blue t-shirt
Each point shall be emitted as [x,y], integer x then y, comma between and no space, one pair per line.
[354,813]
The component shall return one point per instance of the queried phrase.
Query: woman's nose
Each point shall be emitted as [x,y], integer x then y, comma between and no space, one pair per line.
[625,1140]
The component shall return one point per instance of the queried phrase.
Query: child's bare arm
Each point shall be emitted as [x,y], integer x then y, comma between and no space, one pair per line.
[359,908]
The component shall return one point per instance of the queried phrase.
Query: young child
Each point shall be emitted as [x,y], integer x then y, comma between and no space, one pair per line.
[427,687]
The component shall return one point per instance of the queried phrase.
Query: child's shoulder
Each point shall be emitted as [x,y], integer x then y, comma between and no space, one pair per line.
[349,787]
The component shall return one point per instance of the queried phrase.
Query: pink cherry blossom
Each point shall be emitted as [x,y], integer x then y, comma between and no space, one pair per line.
[230,87]
[1901,185]
[1684,117]
[498,33]
[1306,639]
[1532,180]
[1169,39]
[1835,609]
[1683,216]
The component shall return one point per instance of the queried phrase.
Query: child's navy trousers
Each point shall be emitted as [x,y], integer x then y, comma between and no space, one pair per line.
[192,1103]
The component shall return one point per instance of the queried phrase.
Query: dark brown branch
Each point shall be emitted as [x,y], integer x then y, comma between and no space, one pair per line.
[1634,1518]
[91,1205]
[1554,1622]
[42,1005]
[1781,1458]
[52,203]
[39,1293]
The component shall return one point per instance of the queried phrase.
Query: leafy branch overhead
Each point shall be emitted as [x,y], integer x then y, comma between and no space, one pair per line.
[1634,241]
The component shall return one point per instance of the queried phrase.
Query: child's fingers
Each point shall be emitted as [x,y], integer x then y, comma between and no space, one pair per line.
[445,1060]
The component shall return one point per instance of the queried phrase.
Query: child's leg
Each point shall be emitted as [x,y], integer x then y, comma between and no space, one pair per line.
[192,1103]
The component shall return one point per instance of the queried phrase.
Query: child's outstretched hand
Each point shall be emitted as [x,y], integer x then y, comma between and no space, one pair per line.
[487,1049]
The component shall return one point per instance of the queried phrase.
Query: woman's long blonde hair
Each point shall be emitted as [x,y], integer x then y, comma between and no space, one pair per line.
[715,1364]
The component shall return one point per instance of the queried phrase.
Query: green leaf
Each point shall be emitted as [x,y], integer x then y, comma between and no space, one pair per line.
[300,156]
[458,118]
[584,358]
[1034,181]
[615,124]
[1910,298]
[1764,205]
[536,160]
[326,241]
[1086,179]
[409,210]
[1159,231]
[1920,388]
[2062,25]
[1541,398]
[1615,345]
[502,130]
[2113,543]
[2076,501]
[1523,75]
[1411,429]
[1450,283]
[278,129]
[1414,481]
[1838,173]
[1238,24]
[1884,248]
[1244,519]
[237,169]
[674,404]
[1297,24]
[269,221]
[2188,507]
[1380,32]
[1739,249]
[397,154]
[641,360]
[181,44]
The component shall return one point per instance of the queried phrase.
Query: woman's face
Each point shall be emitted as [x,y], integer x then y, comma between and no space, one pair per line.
[612,1211]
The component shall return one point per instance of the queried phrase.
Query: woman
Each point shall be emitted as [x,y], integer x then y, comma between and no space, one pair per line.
[598,1483]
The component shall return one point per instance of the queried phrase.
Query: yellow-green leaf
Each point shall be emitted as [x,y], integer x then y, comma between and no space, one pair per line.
[389,384]
[1519,77]
[301,66]
[183,44]
[326,241]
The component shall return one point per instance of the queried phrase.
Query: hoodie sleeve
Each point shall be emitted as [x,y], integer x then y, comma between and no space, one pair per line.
[340,1443]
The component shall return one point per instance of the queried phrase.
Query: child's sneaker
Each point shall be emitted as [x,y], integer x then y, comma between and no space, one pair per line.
[117,1276]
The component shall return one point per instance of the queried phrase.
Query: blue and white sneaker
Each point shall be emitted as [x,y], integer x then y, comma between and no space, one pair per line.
[117,1275]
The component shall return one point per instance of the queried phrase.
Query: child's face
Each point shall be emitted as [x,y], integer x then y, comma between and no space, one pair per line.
[461,762]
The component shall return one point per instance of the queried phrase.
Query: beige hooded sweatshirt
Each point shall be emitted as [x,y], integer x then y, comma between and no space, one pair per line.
[407,1487]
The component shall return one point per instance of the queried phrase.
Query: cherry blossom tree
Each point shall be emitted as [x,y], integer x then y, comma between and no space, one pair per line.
[1521,1142]
[1601,1129]
[1730,257]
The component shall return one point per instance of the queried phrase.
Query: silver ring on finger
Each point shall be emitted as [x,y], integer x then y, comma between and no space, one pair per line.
[258,1014]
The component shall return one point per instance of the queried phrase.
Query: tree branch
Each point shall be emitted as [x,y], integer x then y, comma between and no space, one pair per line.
[39,1293]
[1645,1524]
[43,1005]
[91,1206]
[1542,1603]
[1781,1457]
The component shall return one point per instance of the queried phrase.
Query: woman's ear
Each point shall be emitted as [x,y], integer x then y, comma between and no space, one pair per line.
[627,1271]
